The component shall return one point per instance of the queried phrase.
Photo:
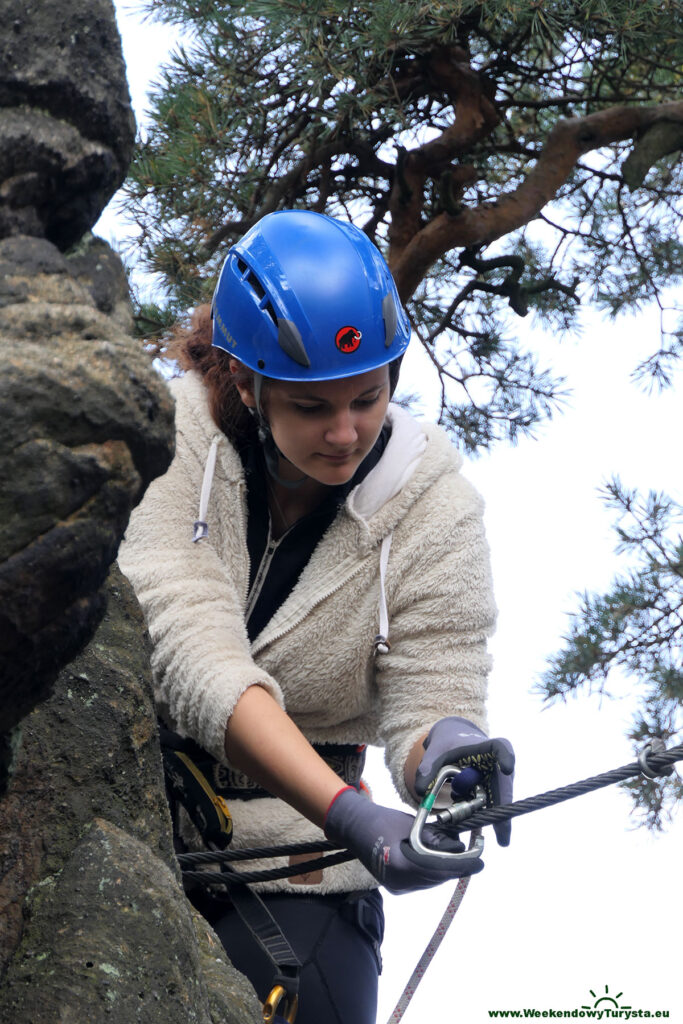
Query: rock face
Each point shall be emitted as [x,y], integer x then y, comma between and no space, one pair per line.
[95,926]
[85,424]
[66,125]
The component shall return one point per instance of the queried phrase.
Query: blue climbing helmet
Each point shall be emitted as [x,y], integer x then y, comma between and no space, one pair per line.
[305,297]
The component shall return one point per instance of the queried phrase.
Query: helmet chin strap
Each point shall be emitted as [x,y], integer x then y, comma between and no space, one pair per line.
[271,452]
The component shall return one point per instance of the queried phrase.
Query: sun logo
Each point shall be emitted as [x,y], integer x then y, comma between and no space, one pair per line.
[606,999]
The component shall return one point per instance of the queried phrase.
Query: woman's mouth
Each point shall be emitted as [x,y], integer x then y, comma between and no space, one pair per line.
[344,457]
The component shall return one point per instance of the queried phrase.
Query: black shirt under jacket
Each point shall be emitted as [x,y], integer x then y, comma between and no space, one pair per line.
[295,547]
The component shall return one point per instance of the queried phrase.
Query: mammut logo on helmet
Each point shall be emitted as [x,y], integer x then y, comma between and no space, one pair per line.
[347,339]
[223,329]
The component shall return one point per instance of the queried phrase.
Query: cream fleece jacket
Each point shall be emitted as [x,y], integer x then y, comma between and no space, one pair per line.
[316,656]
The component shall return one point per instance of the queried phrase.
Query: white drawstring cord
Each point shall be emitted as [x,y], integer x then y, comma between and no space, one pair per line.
[201,527]
[201,530]
[381,642]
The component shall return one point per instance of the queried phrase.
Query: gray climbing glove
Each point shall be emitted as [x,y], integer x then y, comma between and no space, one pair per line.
[489,762]
[378,836]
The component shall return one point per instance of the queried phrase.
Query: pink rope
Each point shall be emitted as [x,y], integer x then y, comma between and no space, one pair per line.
[432,946]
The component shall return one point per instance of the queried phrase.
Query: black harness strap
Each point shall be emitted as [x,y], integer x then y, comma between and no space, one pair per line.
[187,773]
[274,944]
[345,759]
[256,915]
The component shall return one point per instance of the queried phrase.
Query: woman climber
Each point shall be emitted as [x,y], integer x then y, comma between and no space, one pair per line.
[334,591]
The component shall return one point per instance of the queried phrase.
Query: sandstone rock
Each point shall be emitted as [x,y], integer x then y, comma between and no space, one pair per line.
[94,925]
[112,938]
[232,999]
[85,424]
[90,750]
[99,269]
[66,125]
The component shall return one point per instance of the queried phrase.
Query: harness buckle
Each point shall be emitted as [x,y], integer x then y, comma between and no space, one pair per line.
[271,1007]
[459,811]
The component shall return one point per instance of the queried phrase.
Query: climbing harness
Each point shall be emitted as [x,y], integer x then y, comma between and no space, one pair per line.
[282,1001]
[462,816]
[200,786]
[188,786]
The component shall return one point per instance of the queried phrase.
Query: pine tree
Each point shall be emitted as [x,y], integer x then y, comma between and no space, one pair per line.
[510,157]
[507,155]
[634,631]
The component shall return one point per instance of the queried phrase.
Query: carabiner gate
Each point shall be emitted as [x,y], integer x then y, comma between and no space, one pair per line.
[272,1004]
[457,812]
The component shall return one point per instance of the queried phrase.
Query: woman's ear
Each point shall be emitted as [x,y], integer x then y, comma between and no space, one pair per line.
[244,382]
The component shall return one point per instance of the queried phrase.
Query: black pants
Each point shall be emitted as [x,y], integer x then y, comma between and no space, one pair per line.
[337,939]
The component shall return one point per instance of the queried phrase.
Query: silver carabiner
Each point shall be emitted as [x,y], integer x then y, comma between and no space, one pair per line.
[458,812]
[655,746]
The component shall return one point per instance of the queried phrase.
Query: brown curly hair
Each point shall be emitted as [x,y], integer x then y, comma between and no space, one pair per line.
[190,346]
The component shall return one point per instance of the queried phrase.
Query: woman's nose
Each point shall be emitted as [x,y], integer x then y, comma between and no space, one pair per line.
[342,430]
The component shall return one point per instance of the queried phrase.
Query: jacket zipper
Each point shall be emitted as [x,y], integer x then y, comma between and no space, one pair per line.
[268,555]
[243,526]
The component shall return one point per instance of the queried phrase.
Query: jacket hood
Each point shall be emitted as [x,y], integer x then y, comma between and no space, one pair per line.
[416,456]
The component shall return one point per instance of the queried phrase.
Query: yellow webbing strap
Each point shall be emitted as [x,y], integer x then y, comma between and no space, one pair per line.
[222,809]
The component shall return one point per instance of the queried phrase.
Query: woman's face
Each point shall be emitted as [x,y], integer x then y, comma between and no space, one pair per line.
[325,428]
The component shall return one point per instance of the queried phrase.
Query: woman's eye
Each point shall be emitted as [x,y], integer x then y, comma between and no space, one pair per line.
[363,403]
[307,408]
[359,403]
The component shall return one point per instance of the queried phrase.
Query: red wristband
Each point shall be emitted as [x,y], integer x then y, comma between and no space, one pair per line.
[342,790]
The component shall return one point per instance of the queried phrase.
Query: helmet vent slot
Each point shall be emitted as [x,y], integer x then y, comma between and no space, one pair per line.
[257,288]
[271,312]
[291,342]
[256,285]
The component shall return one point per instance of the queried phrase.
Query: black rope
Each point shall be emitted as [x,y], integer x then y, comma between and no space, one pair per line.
[229,877]
[657,764]
[257,853]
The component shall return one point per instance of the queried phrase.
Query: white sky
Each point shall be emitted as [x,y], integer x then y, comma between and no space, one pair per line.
[579,901]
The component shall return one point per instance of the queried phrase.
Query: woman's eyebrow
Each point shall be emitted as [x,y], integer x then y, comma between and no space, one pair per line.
[319,398]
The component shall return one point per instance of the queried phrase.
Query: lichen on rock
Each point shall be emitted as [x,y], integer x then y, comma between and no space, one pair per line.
[112,938]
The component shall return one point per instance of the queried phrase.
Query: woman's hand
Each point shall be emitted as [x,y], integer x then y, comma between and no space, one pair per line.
[458,742]
[378,836]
